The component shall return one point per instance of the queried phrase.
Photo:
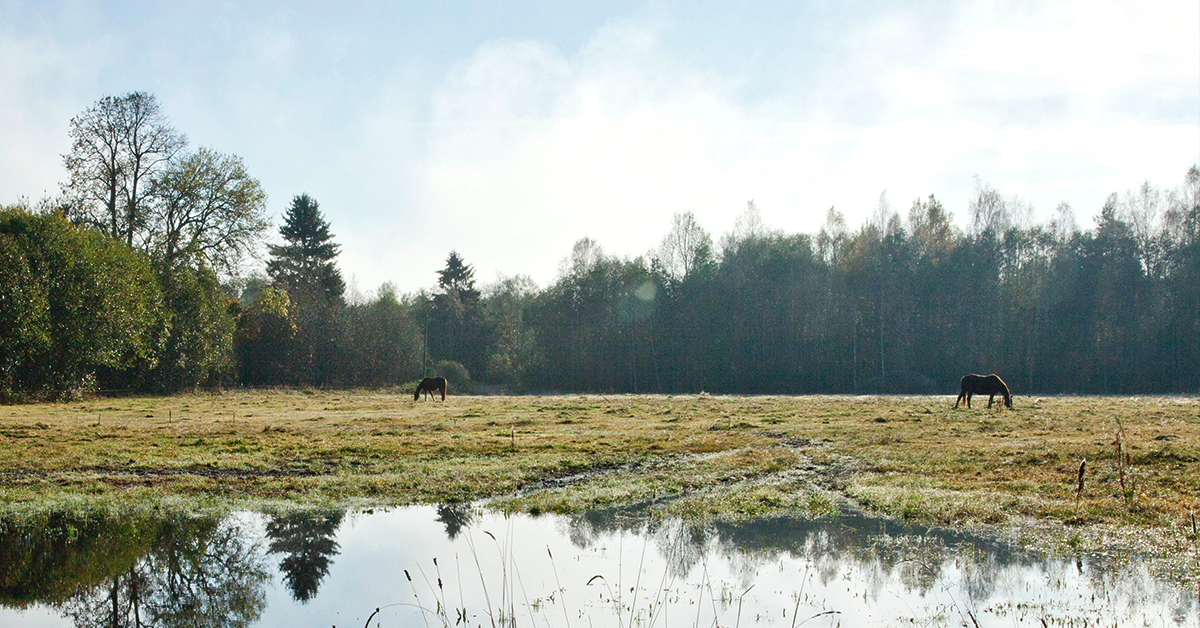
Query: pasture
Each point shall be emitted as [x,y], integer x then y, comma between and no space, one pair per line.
[697,456]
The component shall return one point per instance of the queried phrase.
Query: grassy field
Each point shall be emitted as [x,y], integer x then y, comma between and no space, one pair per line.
[696,456]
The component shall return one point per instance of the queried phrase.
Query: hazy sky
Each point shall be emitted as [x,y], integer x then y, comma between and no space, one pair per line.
[508,131]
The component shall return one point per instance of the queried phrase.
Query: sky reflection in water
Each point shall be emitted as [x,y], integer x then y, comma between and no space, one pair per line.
[329,568]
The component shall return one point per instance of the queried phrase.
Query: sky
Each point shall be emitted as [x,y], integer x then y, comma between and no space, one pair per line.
[509,130]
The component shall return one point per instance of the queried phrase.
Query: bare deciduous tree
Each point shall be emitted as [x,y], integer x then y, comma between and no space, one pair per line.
[586,253]
[684,248]
[989,210]
[1181,221]
[118,145]
[1020,212]
[1063,224]
[746,227]
[1141,209]
[884,219]
[833,236]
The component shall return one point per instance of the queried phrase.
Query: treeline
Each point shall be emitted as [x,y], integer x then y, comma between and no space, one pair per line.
[901,304]
[898,305]
[129,281]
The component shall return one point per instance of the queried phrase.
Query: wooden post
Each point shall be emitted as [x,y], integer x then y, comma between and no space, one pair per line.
[1079,486]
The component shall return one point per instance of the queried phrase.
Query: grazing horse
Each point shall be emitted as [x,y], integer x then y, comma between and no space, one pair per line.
[990,385]
[429,386]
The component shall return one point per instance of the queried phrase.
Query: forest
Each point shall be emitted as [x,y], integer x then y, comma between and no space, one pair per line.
[134,279]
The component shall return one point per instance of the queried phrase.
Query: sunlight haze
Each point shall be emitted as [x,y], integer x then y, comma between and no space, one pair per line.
[509,131]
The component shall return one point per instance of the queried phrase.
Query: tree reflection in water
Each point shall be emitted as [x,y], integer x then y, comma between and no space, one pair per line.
[114,571]
[307,539]
[914,555]
[106,570]
[454,517]
[923,561]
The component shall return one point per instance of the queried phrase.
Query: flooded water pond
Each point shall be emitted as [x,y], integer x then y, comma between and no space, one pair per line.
[453,566]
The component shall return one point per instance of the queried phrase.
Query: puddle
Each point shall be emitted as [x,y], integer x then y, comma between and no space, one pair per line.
[442,566]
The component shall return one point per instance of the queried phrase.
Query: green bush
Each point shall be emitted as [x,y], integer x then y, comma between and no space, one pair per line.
[265,339]
[198,346]
[72,301]
[456,375]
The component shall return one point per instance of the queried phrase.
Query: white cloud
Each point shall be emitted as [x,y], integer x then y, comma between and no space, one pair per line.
[531,148]
[530,151]
[523,146]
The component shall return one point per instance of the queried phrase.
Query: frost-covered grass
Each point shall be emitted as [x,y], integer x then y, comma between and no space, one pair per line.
[699,456]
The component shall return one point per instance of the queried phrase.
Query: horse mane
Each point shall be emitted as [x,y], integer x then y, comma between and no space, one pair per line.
[1003,387]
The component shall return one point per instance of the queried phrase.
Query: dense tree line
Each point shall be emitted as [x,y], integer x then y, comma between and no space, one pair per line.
[899,305]
[296,328]
[896,306]
[902,304]
[131,281]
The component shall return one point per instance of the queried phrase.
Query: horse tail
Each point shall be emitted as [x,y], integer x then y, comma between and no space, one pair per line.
[962,390]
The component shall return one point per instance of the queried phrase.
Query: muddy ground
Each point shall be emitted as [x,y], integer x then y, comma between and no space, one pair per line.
[696,456]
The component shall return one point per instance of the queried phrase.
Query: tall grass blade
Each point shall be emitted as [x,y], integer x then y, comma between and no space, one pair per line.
[562,593]
[637,584]
[482,582]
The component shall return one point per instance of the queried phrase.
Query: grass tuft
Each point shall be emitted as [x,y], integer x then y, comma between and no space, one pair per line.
[700,456]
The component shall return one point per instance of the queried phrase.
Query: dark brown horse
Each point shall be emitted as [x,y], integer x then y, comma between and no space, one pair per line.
[429,386]
[990,385]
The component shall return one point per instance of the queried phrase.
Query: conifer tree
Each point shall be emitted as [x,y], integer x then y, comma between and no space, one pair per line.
[304,264]
[459,277]
[457,329]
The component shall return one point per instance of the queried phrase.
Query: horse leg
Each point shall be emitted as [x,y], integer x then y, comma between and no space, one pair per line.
[990,398]
[960,398]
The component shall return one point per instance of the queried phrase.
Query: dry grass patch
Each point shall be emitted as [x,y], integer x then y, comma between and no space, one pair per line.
[914,457]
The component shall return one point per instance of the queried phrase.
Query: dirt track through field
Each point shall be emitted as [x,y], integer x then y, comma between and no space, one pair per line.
[912,457]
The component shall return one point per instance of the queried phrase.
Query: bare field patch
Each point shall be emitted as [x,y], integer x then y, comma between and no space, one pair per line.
[696,455]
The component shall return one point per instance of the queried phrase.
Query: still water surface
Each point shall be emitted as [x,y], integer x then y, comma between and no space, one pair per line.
[609,568]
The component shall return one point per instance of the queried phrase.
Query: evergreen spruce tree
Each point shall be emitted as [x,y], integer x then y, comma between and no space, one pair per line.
[304,264]
[457,327]
[459,277]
